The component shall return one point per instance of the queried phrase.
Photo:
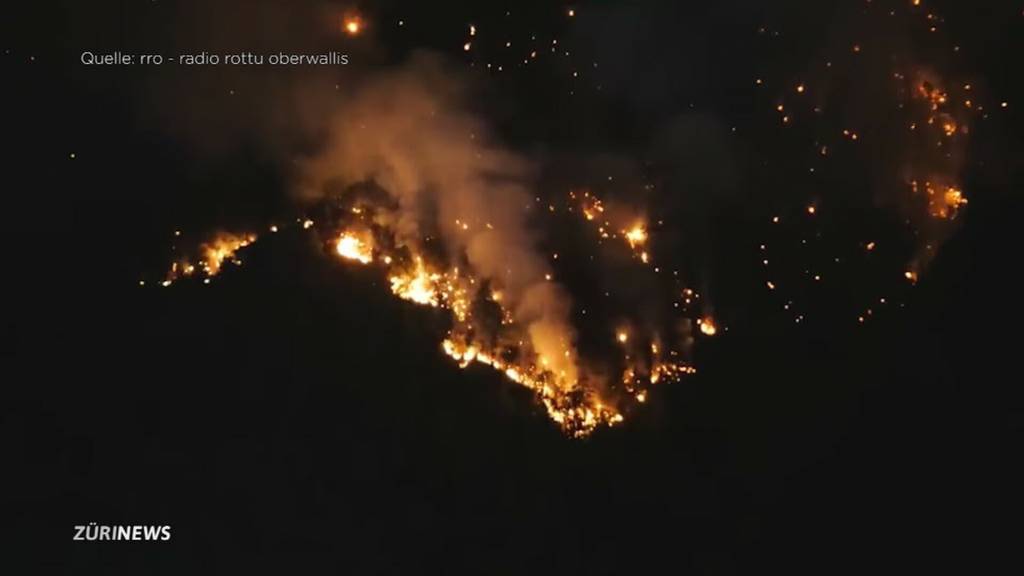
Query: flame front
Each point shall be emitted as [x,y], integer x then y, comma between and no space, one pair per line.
[222,248]
[578,404]
[577,416]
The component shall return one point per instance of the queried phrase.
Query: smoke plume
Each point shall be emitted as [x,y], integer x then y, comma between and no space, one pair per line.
[405,131]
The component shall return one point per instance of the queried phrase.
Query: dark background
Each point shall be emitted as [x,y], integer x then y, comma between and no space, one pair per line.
[294,417]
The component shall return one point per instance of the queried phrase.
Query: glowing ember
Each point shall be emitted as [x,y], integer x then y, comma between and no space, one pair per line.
[353,25]
[953,199]
[707,326]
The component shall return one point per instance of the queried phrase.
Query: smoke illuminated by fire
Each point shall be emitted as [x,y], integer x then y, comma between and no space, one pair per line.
[401,144]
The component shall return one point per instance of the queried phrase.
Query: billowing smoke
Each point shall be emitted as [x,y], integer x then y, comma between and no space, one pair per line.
[406,132]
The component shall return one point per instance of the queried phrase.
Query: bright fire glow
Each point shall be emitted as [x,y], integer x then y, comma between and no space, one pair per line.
[353,248]
[636,235]
[353,25]
[222,248]
[707,326]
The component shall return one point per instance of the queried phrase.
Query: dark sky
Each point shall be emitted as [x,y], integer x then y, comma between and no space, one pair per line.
[293,416]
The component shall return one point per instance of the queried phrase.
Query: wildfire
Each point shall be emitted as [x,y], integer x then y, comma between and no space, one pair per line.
[499,294]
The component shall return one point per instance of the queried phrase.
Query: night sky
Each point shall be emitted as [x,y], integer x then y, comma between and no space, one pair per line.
[858,408]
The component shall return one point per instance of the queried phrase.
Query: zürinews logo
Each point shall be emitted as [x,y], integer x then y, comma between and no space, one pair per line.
[92,532]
